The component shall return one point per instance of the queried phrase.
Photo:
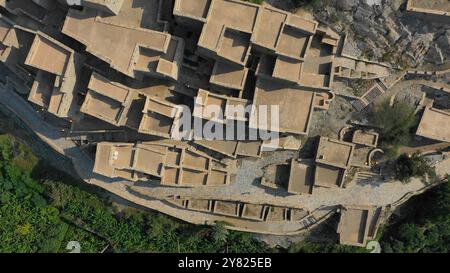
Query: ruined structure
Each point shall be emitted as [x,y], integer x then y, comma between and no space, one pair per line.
[433,124]
[55,86]
[358,224]
[436,7]
[120,77]
[172,163]
[329,169]
[137,51]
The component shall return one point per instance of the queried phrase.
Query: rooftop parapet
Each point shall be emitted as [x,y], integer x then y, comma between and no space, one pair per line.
[432,7]
[366,138]
[219,108]
[333,159]
[159,118]
[314,70]
[107,6]
[193,9]
[15,43]
[136,109]
[434,124]
[228,29]
[295,106]
[110,101]
[301,177]
[228,75]
[57,67]
[173,163]
[232,148]
[135,52]
[283,33]
[354,225]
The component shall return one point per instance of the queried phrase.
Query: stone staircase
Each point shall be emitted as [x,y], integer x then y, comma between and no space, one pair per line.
[378,89]
[364,176]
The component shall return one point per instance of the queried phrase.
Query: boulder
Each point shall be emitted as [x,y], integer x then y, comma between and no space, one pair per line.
[444,42]
[435,55]
[346,4]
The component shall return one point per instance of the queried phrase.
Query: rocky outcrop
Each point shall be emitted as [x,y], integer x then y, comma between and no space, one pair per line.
[382,31]
[419,46]
[346,4]
[435,55]
[444,42]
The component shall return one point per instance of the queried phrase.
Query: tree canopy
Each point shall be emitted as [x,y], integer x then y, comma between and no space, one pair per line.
[415,165]
[395,122]
[425,227]
[42,215]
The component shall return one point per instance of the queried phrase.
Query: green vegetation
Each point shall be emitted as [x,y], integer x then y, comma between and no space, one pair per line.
[307,4]
[425,227]
[395,122]
[409,166]
[388,57]
[43,215]
[259,2]
[23,158]
[27,222]
[324,248]
[311,4]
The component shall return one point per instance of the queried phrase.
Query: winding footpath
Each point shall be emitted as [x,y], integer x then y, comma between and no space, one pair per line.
[244,189]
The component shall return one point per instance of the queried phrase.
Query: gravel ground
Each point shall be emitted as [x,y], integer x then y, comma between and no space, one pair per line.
[328,123]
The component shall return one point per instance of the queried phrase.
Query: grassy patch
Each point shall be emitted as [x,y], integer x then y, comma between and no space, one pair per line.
[396,123]
[21,155]
[40,213]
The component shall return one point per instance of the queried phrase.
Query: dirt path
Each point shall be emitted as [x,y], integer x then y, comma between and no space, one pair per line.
[372,192]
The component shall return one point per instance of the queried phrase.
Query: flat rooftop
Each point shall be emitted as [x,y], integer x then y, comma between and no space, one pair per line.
[228,28]
[109,101]
[270,24]
[436,5]
[228,75]
[295,106]
[187,167]
[301,178]
[48,56]
[227,208]
[283,33]
[129,50]
[55,83]
[130,161]
[313,70]
[365,138]
[42,89]
[318,64]
[158,117]
[135,14]
[219,108]
[293,42]
[328,176]
[172,162]
[109,6]
[434,125]
[196,9]
[354,225]
[334,152]
[15,43]
[288,69]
